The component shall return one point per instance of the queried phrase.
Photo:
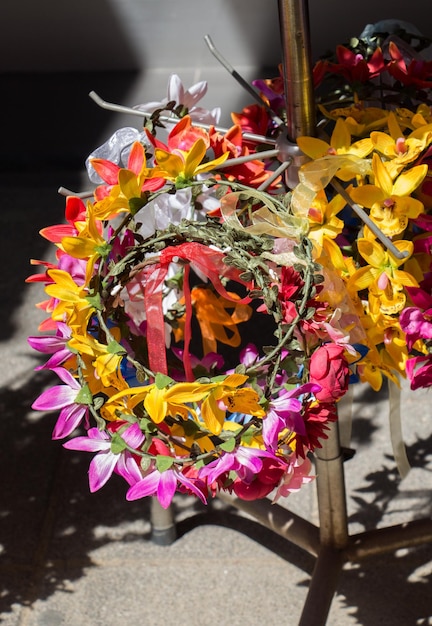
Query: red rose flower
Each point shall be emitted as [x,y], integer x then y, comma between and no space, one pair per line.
[329,369]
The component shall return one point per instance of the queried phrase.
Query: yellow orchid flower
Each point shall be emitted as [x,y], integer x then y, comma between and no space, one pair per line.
[322,218]
[182,165]
[125,197]
[382,276]
[89,240]
[88,243]
[374,366]
[390,202]
[340,144]
[360,119]
[401,150]
[414,119]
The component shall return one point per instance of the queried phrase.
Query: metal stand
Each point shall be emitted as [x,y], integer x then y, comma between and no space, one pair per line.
[330,541]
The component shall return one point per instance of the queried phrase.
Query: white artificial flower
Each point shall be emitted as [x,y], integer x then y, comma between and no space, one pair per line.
[188,98]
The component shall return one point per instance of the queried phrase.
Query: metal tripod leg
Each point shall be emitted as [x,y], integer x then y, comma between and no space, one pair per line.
[333,526]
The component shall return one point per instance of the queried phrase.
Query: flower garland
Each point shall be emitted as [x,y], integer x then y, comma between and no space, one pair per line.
[204,319]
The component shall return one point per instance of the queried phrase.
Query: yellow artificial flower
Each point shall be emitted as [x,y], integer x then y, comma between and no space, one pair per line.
[227,393]
[182,165]
[218,318]
[374,366]
[89,243]
[382,276]
[322,218]
[73,306]
[398,149]
[125,197]
[106,359]
[180,399]
[360,119]
[389,201]
[414,119]
[340,144]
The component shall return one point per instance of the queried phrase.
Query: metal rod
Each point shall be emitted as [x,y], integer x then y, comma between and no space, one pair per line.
[118,108]
[278,172]
[295,37]
[382,540]
[288,525]
[163,531]
[367,220]
[239,78]
[322,587]
[330,482]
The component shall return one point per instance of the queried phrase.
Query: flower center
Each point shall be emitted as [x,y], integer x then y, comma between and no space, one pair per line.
[401,147]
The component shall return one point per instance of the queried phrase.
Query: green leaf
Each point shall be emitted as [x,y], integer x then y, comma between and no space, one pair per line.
[95,301]
[190,428]
[115,348]
[135,204]
[117,444]
[147,425]
[163,462]
[104,249]
[162,381]
[228,445]
[84,396]
[145,463]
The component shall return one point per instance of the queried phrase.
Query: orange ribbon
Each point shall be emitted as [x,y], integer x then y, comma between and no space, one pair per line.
[206,261]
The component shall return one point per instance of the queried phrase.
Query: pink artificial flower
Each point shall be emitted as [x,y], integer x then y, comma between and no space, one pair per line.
[296,475]
[106,462]
[63,397]
[246,462]
[258,472]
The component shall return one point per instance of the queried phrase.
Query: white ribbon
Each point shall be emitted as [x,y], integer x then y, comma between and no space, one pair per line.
[396,437]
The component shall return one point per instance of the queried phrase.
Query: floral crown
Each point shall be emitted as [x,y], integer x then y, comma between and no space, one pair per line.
[204,318]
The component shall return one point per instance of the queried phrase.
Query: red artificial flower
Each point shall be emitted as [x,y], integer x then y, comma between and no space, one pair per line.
[417,74]
[329,369]
[353,66]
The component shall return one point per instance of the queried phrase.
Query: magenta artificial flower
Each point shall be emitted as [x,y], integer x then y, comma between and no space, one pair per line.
[285,412]
[419,371]
[246,462]
[416,324]
[67,398]
[164,485]
[106,461]
[53,344]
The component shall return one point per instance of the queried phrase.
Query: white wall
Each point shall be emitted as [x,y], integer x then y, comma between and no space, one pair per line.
[77,35]
[52,52]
